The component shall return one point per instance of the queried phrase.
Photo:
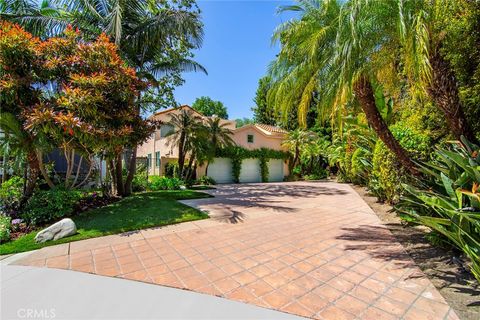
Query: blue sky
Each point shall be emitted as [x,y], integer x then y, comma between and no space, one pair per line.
[236,52]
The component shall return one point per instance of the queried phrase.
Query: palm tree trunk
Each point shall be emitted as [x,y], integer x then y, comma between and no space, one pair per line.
[444,92]
[181,155]
[189,167]
[364,92]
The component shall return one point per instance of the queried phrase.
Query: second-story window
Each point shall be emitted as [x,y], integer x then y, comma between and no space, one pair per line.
[165,129]
[250,138]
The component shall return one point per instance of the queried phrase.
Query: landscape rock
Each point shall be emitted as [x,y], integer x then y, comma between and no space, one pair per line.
[63,228]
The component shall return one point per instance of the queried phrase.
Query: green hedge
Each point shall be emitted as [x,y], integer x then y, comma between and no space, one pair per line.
[387,175]
[237,154]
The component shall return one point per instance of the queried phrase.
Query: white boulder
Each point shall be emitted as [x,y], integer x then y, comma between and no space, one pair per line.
[63,228]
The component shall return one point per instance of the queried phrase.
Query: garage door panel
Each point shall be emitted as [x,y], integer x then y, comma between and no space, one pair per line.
[275,170]
[220,169]
[250,171]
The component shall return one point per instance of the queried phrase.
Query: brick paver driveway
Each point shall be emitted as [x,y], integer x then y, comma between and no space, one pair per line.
[311,249]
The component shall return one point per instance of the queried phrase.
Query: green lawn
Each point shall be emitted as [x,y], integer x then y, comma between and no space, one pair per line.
[137,212]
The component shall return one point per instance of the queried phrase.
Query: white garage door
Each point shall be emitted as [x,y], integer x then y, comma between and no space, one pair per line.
[275,170]
[220,169]
[250,171]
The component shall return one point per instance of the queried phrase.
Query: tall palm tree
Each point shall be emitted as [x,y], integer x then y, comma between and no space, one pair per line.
[307,46]
[357,42]
[335,45]
[218,136]
[186,125]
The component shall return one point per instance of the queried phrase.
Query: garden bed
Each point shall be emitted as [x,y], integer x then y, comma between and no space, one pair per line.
[440,264]
[139,211]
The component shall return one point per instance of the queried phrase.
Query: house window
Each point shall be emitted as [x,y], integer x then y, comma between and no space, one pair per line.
[149,160]
[250,138]
[165,130]
[157,159]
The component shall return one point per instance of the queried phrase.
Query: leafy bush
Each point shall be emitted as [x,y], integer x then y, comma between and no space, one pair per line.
[171,169]
[11,192]
[346,165]
[5,223]
[139,183]
[387,174]
[448,199]
[164,183]
[361,165]
[206,181]
[316,176]
[49,205]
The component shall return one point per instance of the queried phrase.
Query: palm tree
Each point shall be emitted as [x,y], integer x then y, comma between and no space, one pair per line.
[16,139]
[335,45]
[295,141]
[339,55]
[153,37]
[218,136]
[186,126]
[305,57]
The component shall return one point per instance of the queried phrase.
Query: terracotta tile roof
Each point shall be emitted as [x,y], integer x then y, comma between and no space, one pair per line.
[269,128]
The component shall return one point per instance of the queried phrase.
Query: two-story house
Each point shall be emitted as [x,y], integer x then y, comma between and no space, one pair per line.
[159,152]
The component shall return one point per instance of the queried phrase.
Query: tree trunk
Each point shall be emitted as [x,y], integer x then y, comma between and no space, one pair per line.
[118,175]
[32,176]
[364,92]
[296,156]
[132,166]
[188,171]
[43,170]
[181,155]
[444,92]
[113,176]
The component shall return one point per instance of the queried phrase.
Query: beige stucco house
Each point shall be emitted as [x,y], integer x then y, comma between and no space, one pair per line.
[158,152]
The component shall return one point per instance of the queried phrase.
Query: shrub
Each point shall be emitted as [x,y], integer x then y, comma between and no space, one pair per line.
[387,174]
[171,169]
[315,176]
[447,199]
[139,183]
[11,192]
[346,165]
[5,224]
[361,165]
[206,180]
[49,205]
[164,183]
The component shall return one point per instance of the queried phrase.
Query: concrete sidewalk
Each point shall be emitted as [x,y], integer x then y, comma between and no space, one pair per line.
[43,293]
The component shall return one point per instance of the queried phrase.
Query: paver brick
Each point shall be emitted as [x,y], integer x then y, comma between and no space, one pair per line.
[311,249]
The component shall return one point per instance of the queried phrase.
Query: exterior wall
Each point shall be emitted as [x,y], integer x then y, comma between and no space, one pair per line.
[157,143]
[260,140]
